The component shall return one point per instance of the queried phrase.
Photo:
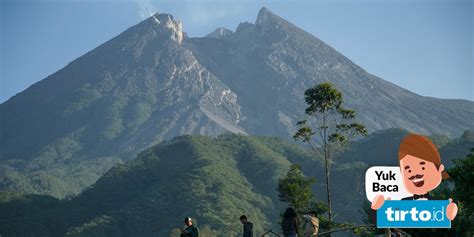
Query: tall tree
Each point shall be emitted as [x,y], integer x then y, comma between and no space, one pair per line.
[295,189]
[330,127]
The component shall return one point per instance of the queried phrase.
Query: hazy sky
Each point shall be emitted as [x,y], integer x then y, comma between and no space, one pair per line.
[423,46]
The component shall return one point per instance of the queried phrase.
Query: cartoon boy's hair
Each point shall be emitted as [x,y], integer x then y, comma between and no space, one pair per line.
[421,147]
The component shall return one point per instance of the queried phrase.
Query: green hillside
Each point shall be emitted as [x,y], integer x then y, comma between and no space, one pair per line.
[214,180]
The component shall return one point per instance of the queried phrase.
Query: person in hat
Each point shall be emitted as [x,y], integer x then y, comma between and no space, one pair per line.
[189,230]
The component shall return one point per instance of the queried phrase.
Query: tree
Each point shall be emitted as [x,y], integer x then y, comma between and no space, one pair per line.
[462,176]
[331,126]
[295,189]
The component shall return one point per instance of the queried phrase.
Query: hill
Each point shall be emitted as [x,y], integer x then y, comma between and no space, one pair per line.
[214,180]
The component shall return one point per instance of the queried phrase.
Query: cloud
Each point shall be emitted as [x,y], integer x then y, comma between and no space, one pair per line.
[199,17]
[200,12]
[146,8]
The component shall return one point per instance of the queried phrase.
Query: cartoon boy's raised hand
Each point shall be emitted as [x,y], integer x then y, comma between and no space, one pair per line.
[378,202]
[451,210]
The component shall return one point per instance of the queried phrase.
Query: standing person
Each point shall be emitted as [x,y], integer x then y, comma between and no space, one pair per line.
[312,225]
[248,226]
[189,230]
[290,224]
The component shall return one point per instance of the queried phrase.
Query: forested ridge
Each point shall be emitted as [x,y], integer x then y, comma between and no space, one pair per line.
[214,180]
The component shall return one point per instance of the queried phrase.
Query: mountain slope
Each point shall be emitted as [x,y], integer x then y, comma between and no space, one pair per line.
[269,64]
[151,83]
[126,95]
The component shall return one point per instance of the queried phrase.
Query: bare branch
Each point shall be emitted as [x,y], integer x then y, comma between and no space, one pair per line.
[355,193]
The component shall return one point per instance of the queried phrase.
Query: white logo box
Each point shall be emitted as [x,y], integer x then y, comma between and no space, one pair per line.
[371,178]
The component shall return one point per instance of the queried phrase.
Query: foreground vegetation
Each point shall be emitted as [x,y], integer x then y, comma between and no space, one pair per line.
[214,180]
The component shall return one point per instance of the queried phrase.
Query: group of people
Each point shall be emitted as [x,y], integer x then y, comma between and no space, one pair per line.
[192,231]
[290,225]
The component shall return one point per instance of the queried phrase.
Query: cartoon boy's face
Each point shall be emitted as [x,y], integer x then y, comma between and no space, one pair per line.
[420,176]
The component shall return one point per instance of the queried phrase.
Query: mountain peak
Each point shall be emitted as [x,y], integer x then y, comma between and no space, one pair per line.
[265,15]
[168,23]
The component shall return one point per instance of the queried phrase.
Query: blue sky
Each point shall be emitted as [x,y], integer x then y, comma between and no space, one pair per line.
[423,46]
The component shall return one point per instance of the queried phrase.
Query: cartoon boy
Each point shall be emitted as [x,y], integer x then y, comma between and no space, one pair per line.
[422,171]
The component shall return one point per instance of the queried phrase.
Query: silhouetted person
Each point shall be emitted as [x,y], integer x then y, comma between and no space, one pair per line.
[189,230]
[290,224]
[248,226]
